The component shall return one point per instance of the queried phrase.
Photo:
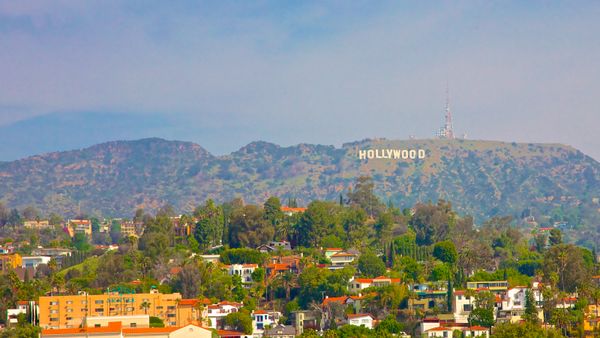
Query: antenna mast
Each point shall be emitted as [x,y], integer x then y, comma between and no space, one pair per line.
[449,130]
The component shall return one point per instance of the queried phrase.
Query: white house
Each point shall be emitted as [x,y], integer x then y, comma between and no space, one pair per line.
[342,258]
[361,319]
[356,285]
[262,319]
[243,270]
[217,312]
[34,261]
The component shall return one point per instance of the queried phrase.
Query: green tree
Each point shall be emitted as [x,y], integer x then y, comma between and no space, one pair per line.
[445,251]
[531,312]
[239,321]
[555,237]
[318,221]
[248,228]
[432,222]
[527,330]
[363,196]
[115,231]
[81,242]
[211,224]
[567,262]
[482,317]
[370,265]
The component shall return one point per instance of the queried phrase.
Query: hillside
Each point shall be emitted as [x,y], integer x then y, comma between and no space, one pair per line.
[482,178]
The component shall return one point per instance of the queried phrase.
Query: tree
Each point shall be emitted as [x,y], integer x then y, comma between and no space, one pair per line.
[317,222]
[115,231]
[482,317]
[370,265]
[531,312]
[145,306]
[527,330]
[445,251]
[81,242]
[211,224]
[239,321]
[248,228]
[156,322]
[432,223]
[363,196]
[555,237]
[567,262]
[357,231]
[30,213]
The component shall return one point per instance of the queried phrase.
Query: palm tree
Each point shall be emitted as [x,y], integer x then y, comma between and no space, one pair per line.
[145,306]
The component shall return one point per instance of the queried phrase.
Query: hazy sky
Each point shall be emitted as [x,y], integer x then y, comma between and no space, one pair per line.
[315,72]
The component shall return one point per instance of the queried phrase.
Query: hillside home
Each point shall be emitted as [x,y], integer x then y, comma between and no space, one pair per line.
[361,319]
[243,270]
[356,285]
[216,313]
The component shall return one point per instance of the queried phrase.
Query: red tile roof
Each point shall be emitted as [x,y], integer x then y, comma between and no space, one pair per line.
[113,327]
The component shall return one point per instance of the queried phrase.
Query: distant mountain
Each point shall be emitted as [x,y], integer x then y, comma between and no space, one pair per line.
[66,131]
[482,178]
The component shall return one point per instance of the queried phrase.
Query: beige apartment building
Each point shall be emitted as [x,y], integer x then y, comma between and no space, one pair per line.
[58,312]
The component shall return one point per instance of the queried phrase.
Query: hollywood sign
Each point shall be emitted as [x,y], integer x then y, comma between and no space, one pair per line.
[396,154]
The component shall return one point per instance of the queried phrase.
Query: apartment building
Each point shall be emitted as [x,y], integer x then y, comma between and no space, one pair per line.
[69,311]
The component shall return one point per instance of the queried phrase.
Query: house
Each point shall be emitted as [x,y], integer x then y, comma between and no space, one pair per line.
[35,261]
[217,312]
[361,319]
[462,304]
[341,259]
[7,248]
[289,211]
[513,302]
[262,319]
[274,246]
[447,331]
[79,226]
[116,330]
[38,224]
[23,307]
[280,331]
[356,285]
[243,270]
[211,258]
[429,297]
[52,252]
[492,286]
[306,319]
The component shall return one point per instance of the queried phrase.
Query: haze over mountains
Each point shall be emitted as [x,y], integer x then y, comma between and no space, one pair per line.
[481,178]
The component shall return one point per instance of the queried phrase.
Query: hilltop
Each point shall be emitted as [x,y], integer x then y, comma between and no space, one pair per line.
[482,178]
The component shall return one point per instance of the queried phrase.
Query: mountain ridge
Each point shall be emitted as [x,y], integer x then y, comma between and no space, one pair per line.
[482,178]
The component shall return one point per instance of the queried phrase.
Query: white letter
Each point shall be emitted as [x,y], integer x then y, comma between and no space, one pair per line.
[370,153]
[421,153]
[412,154]
[362,154]
[396,154]
[389,153]
[404,154]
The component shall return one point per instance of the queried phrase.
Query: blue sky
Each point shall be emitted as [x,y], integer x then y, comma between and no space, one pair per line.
[230,72]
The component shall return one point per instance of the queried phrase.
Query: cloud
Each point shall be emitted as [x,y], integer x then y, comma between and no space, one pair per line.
[311,71]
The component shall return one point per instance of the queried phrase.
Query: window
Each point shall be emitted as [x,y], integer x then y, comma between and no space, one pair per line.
[54,319]
[96,325]
[132,324]
[69,302]
[99,309]
[54,303]
[467,307]
[99,301]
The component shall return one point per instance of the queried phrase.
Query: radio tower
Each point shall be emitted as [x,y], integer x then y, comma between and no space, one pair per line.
[447,131]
